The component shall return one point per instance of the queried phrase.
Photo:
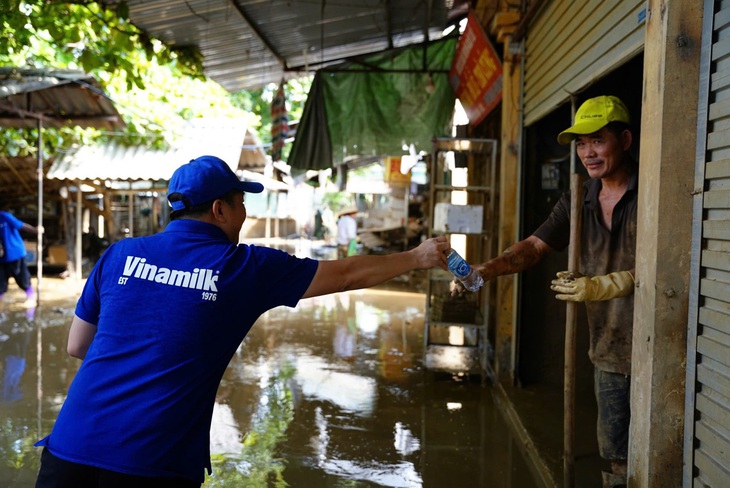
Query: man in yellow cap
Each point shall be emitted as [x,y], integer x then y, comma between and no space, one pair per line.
[606,284]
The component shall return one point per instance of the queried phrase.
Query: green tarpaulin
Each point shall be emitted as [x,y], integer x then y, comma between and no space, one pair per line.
[375,106]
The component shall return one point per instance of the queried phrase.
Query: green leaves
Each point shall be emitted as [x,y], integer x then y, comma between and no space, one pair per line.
[155,87]
[84,33]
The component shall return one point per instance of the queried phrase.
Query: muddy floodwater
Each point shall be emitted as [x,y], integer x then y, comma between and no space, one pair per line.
[329,394]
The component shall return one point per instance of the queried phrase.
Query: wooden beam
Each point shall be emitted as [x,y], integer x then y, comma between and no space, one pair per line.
[506,313]
[105,212]
[17,174]
[504,24]
[664,235]
[78,119]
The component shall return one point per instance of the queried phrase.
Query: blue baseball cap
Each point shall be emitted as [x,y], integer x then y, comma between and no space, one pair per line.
[203,180]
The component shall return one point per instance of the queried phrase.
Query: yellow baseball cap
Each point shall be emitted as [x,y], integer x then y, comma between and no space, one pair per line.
[593,115]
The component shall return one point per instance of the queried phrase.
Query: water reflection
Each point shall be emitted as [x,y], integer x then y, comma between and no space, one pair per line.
[331,393]
[16,438]
[405,442]
[14,348]
[320,381]
[398,474]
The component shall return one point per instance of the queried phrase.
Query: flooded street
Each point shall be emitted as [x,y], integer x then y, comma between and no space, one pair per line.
[330,394]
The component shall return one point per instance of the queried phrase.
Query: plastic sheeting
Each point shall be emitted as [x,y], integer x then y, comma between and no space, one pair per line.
[312,148]
[375,106]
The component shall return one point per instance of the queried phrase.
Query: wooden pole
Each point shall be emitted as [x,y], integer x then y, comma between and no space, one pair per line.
[571,316]
[39,245]
[77,242]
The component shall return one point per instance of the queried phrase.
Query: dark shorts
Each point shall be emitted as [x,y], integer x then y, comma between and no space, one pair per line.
[614,413]
[57,473]
[18,270]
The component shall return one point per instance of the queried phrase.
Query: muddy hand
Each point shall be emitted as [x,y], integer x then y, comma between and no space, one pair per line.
[566,276]
[457,288]
[598,288]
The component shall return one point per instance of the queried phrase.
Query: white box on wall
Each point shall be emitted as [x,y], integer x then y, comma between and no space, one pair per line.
[458,219]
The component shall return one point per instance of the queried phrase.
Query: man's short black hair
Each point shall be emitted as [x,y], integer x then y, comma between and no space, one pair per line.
[616,128]
[200,209]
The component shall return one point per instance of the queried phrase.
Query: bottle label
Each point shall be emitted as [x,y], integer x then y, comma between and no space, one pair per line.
[458,266]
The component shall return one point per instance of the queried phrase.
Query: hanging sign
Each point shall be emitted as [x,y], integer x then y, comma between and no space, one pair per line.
[394,175]
[476,72]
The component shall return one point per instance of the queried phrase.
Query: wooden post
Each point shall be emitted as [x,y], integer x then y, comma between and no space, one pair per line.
[78,271]
[505,353]
[664,241]
[571,319]
[39,247]
[571,314]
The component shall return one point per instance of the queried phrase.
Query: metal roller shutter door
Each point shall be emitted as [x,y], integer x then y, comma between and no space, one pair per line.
[707,423]
[571,43]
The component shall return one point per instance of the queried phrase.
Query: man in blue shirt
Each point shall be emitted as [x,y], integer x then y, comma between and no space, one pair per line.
[160,318]
[12,253]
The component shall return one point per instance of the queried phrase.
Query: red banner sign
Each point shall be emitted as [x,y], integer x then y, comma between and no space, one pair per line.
[476,73]
[394,176]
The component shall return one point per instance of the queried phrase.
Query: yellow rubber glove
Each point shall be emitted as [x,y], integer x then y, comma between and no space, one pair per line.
[598,288]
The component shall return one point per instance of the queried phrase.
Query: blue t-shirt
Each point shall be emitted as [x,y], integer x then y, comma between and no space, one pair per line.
[171,310]
[12,241]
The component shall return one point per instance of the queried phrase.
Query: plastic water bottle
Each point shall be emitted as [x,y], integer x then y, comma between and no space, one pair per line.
[469,277]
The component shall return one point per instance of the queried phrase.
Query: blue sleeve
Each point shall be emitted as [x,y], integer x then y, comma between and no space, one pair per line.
[286,278]
[88,307]
[14,221]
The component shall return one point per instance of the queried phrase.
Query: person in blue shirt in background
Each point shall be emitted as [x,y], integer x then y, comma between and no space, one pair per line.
[160,318]
[12,254]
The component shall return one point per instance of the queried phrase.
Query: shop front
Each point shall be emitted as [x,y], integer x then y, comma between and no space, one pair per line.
[557,55]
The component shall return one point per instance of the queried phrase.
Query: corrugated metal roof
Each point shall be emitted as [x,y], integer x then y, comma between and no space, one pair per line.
[113,163]
[58,97]
[228,139]
[116,163]
[249,43]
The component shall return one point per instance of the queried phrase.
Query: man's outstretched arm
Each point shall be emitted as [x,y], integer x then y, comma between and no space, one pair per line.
[365,271]
[518,257]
